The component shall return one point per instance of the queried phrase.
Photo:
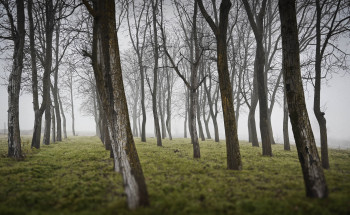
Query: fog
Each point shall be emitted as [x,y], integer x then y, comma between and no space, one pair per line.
[335,100]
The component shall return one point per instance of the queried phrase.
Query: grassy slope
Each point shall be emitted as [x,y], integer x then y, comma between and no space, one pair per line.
[76,177]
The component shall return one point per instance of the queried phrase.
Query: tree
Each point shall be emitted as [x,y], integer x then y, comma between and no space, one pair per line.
[220,32]
[335,21]
[109,82]
[17,35]
[314,179]
[138,40]
[257,25]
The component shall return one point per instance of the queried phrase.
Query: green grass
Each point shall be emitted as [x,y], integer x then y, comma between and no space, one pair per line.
[75,177]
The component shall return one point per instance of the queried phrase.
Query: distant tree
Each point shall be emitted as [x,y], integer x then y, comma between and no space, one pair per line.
[314,179]
[17,35]
[109,82]
[220,32]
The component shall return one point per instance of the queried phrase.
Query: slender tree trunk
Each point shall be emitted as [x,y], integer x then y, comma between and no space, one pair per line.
[47,129]
[253,136]
[37,112]
[14,87]
[134,112]
[200,127]
[186,108]
[155,73]
[143,107]
[53,123]
[232,144]
[63,115]
[286,143]
[109,81]
[315,182]
[168,101]
[258,29]
[317,95]
[55,87]
[72,104]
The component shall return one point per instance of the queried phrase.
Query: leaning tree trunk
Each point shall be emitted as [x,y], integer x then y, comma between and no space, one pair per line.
[109,81]
[14,87]
[315,181]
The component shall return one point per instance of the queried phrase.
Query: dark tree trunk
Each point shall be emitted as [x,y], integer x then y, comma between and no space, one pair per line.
[258,29]
[232,144]
[47,129]
[317,96]
[63,115]
[155,73]
[253,136]
[72,103]
[286,143]
[168,101]
[143,107]
[53,124]
[109,81]
[55,86]
[315,182]
[200,127]
[14,87]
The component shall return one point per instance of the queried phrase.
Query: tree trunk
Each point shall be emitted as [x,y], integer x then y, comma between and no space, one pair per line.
[200,127]
[47,129]
[168,101]
[258,29]
[232,144]
[186,110]
[55,87]
[143,107]
[155,73]
[63,115]
[14,87]
[253,136]
[286,143]
[317,95]
[109,81]
[72,103]
[315,182]
[53,123]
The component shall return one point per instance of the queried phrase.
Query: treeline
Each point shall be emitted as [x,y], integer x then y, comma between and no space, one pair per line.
[193,59]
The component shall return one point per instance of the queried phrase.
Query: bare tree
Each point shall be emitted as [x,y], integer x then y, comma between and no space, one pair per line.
[256,22]
[17,35]
[220,32]
[109,82]
[314,179]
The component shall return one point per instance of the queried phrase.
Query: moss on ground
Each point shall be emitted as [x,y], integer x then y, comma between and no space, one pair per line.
[75,177]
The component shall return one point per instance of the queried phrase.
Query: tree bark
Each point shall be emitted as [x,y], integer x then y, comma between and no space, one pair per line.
[72,103]
[286,143]
[155,73]
[55,85]
[63,115]
[109,81]
[317,95]
[14,87]
[232,144]
[258,29]
[314,179]
[47,129]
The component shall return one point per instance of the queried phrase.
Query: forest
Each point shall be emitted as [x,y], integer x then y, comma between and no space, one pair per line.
[200,64]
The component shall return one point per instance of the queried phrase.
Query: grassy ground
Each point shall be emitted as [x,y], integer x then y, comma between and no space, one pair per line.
[76,177]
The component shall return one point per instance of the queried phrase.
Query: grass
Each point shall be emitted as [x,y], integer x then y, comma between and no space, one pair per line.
[75,177]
